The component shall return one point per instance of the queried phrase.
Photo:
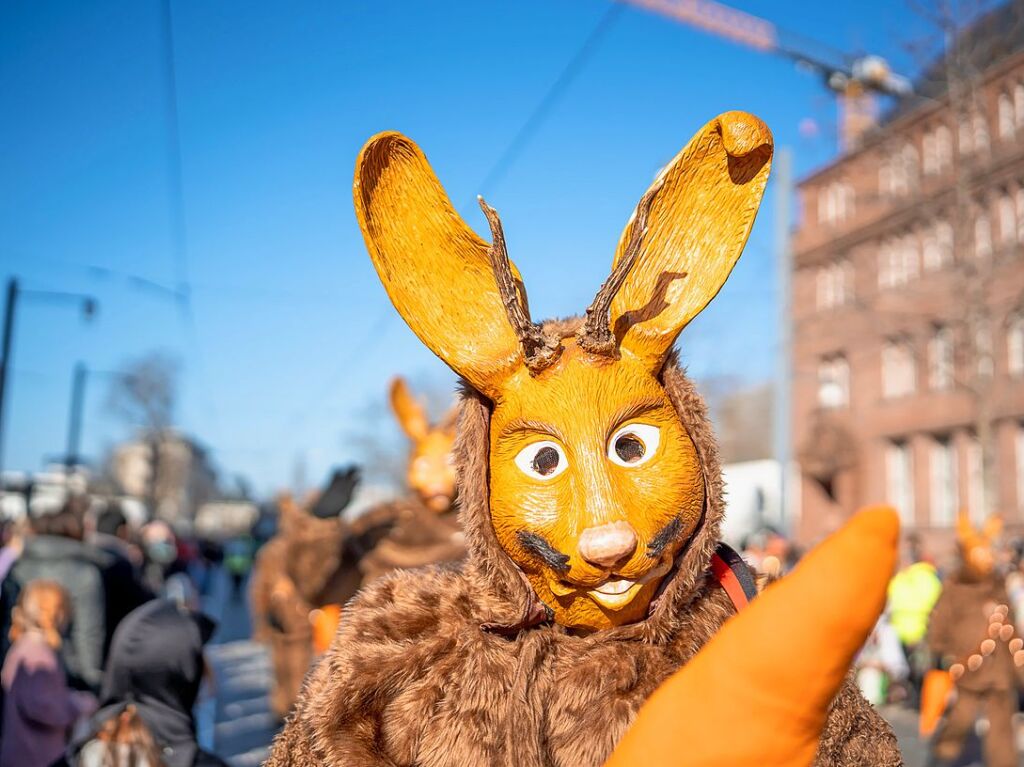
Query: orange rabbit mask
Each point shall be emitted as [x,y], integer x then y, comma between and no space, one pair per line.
[595,485]
[431,472]
[977,545]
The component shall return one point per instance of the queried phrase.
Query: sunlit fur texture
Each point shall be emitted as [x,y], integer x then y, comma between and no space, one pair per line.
[416,677]
[580,403]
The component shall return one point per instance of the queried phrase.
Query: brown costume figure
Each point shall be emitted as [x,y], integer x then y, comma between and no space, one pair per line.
[423,528]
[590,490]
[971,629]
[296,573]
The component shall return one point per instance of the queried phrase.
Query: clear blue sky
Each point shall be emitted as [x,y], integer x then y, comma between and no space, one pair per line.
[294,335]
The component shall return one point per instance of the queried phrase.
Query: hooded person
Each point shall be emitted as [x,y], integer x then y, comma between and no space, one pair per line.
[590,491]
[422,528]
[150,686]
[291,578]
[971,632]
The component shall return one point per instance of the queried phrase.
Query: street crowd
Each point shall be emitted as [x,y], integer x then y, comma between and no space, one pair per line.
[102,635]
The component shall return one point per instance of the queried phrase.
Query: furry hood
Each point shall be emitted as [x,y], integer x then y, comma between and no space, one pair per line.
[516,605]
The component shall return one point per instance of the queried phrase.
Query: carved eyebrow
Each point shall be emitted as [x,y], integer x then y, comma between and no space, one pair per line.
[633,411]
[526,424]
[665,536]
[544,551]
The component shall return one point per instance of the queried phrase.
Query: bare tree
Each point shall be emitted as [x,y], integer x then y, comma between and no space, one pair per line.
[144,394]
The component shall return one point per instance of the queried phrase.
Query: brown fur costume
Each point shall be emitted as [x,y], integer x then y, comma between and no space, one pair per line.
[958,624]
[291,573]
[463,667]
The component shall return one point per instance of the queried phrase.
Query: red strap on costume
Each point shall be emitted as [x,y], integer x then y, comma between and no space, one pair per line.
[733,575]
[727,580]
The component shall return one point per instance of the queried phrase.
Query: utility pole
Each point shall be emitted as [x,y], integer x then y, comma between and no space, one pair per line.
[88,306]
[5,355]
[72,456]
[783,170]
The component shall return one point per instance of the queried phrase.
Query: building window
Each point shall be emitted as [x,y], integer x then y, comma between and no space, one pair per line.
[899,377]
[940,359]
[835,202]
[943,148]
[899,480]
[983,351]
[982,235]
[833,382]
[885,178]
[835,284]
[965,139]
[1007,121]
[1015,345]
[898,261]
[943,482]
[975,480]
[929,158]
[1007,219]
[980,131]
[937,246]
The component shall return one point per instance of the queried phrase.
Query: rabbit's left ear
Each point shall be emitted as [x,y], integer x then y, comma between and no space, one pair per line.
[698,214]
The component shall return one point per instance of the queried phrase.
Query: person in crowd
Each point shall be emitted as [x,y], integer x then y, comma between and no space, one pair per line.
[12,542]
[970,631]
[160,547]
[122,575]
[55,551]
[152,680]
[238,561]
[913,592]
[39,708]
[881,663]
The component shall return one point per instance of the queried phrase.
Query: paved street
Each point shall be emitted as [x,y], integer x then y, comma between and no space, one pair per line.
[237,723]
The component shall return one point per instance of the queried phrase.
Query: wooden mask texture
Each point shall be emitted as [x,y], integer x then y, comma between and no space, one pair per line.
[594,532]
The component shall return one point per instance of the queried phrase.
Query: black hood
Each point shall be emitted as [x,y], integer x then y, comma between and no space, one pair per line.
[156,664]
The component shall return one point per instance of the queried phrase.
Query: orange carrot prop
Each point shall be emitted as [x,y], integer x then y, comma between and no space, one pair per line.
[757,694]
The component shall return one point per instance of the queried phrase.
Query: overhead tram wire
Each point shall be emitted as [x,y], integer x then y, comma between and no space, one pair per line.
[176,204]
[544,107]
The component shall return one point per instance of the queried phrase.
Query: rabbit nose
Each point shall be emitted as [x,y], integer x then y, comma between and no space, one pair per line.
[607,545]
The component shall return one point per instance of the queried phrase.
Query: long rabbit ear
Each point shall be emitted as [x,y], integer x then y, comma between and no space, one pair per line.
[965,531]
[993,527]
[410,413]
[683,239]
[438,273]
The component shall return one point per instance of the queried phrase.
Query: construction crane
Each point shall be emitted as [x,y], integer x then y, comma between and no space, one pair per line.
[857,81]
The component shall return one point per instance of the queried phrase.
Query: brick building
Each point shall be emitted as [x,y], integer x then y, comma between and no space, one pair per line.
[908,302]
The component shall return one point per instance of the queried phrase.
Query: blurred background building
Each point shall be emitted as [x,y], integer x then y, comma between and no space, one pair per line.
[908,301]
[184,477]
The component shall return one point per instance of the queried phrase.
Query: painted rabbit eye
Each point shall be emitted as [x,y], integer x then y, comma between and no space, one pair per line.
[633,444]
[542,460]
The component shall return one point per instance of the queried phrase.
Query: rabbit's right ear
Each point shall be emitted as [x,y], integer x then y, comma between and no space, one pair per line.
[410,413]
[434,267]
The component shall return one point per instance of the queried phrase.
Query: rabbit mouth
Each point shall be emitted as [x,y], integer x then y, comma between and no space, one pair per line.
[614,592]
